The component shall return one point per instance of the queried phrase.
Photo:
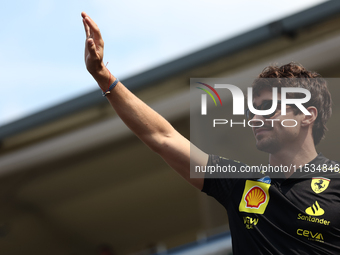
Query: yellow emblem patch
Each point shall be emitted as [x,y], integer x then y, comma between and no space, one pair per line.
[315,210]
[255,197]
[319,184]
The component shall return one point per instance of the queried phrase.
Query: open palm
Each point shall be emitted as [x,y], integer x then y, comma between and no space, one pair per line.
[94,45]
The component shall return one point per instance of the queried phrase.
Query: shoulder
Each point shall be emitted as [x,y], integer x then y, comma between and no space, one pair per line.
[222,176]
[327,166]
[215,160]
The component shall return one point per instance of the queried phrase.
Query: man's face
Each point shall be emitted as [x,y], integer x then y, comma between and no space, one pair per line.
[272,136]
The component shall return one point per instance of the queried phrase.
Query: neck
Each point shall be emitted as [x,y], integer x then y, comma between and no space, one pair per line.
[294,155]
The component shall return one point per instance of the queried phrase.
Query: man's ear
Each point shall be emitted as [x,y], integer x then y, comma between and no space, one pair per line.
[309,119]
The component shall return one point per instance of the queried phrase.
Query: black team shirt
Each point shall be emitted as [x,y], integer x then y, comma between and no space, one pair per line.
[298,215]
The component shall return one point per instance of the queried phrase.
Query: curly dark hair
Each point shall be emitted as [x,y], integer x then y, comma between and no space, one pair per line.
[320,95]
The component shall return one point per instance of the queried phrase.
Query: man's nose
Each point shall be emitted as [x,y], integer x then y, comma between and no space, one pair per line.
[258,118]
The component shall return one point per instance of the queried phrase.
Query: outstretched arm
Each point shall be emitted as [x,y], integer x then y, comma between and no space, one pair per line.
[148,125]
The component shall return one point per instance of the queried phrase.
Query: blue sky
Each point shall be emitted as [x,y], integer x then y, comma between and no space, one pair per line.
[42,42]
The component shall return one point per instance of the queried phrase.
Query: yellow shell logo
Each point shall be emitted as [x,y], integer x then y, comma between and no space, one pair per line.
[255,197]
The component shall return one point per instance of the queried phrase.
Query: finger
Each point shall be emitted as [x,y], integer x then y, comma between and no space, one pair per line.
[90,18]
[93,26]
[87,29]
[83,14]
[92,47]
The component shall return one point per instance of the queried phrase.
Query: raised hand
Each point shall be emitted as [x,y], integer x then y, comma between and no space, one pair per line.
[94,48]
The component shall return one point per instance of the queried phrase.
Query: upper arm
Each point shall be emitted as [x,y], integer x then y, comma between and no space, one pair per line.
[180,154]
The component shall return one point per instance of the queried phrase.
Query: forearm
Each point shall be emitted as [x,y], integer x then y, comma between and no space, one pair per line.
[147,124]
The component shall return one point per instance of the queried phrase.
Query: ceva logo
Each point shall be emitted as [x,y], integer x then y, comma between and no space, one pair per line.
[311,236]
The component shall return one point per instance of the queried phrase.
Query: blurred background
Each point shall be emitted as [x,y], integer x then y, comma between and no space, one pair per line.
[73,178]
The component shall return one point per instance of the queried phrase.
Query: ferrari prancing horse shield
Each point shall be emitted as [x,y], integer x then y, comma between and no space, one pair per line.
[319,184]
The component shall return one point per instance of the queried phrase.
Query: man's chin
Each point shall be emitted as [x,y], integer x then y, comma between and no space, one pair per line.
[260,147]
[266,146]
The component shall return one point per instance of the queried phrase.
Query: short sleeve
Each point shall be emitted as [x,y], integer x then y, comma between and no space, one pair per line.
[221,188]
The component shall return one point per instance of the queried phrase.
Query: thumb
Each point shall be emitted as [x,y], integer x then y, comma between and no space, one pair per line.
[92,47]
